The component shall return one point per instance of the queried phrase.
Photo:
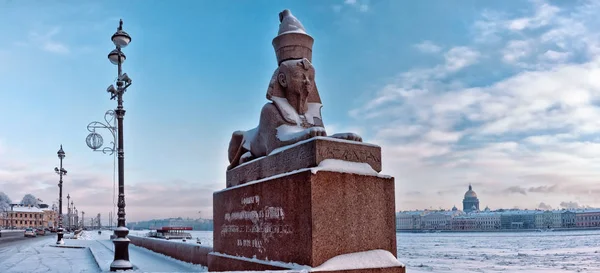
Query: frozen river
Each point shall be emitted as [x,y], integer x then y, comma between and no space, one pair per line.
[572,251]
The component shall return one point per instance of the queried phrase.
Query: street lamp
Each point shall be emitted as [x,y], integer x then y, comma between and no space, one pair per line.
[60,171]
[68,211]
[121,39]
[75,216]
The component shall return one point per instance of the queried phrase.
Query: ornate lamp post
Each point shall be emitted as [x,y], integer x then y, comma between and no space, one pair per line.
[60,171]
[121,39]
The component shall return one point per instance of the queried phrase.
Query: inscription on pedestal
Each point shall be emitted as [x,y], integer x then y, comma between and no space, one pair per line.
[254,225]
[343,153]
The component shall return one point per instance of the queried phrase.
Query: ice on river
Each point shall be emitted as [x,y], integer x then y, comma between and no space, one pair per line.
[570,251]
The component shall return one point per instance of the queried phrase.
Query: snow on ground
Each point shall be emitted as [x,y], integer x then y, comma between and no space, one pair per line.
[145,260]
[39,255]
[92,252]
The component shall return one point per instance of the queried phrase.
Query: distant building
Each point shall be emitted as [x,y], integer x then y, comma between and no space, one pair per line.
[477,221]
[26,216]
[439,220]
[568,219]
[548,219]
[588,218]
[472,219]
[518,219]
[470,202]
[409,220]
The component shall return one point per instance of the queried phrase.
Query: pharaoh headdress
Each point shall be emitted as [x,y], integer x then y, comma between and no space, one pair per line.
[292,44]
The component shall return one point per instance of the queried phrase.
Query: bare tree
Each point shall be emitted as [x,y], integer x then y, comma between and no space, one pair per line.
[4,206]
[29,199]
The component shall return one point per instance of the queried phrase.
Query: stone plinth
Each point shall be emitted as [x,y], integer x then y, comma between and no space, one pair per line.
[305,154]
[305,217]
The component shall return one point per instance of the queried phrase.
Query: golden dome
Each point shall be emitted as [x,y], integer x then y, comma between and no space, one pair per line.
[470,193]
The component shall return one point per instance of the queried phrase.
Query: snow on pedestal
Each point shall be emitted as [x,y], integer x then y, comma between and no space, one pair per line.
[360,260]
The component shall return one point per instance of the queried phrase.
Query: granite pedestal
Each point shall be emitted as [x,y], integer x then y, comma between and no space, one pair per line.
[304,216]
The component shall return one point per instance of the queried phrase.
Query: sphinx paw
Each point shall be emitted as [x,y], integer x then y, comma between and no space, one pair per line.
[316,131]
[348,136]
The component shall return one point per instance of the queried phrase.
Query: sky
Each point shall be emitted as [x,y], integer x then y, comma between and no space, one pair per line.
[500,95]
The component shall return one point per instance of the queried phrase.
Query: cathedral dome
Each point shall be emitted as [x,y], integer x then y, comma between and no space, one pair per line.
[470,193]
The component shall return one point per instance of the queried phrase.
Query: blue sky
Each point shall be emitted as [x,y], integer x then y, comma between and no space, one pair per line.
[502,95]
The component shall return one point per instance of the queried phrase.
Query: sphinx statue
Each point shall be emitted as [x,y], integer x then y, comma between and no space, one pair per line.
[293,113]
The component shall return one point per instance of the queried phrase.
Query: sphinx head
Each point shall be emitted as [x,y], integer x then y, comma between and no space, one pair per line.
[297,81]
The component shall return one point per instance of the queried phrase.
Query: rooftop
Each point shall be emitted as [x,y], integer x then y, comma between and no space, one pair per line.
[26,209]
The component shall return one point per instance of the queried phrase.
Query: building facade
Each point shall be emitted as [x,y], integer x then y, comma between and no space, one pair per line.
[25,217]
[544,220]
[439,220]
[409,220]
[518,219]
[568,219]
[49,218]
[587,218]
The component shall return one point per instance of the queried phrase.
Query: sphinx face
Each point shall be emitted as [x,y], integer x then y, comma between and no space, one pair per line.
[300,77]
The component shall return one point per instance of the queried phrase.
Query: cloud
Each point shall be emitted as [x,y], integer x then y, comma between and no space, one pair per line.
[572,205]
[428,47]
[543,189]
[492,24]
[532,129]
[46,41]
[543,206]
[515,50]
[516,189]
[55,47]
[543,15]
[460,57]
[551,55]
[358,5]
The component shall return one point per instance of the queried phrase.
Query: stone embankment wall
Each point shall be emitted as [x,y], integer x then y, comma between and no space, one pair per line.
[12,233]
[190,253]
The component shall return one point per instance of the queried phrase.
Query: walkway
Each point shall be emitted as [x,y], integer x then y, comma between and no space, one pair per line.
[92,253]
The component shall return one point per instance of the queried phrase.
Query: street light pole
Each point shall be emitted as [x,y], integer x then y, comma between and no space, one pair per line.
[120,39]
[60,172]
[75,218]
[68,211]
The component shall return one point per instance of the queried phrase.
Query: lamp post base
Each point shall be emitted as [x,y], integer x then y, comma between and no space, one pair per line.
[121,242]
[59,239]
[120,265]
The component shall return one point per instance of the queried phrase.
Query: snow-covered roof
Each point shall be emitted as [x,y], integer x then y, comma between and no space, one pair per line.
[587,211]
[26,209]
[411,212]
[483,214]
